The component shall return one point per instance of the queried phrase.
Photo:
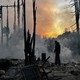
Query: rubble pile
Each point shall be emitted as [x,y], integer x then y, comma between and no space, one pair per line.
[67,71]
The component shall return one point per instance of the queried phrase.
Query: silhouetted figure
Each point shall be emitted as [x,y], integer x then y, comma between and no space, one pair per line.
[57,53]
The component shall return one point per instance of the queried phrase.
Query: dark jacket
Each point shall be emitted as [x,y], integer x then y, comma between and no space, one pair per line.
[57,47]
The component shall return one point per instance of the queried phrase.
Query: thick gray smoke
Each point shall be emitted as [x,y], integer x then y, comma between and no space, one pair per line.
[15,49]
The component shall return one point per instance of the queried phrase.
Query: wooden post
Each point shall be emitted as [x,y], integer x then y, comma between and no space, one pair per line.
[34,29]
[43,56]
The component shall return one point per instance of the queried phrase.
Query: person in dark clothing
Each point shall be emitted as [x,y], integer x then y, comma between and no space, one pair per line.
[57,53]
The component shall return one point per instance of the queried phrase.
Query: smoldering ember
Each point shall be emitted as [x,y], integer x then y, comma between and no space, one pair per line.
[39,40]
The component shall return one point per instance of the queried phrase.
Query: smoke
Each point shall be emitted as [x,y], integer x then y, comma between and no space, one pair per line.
[51,16]
[52,19]
[15,49]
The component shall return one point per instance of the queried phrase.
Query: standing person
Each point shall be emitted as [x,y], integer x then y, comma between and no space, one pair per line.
[57,53]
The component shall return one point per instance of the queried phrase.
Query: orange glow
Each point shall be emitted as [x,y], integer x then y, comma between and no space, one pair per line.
[51,34]
[49,22]
[51,17]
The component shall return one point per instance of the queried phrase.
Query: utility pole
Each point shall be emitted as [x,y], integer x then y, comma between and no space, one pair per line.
[34,29]
[14,27]
[18,11]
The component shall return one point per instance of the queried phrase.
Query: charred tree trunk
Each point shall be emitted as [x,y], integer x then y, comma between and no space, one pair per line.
[22,13]
[1,25]
[34,29]
[7,28]
[76,2]
[79,8]
[18,11]
[24,10]
[14,17]
[77,14]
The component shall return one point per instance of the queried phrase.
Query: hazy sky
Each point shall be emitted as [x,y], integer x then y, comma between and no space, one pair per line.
[52,16]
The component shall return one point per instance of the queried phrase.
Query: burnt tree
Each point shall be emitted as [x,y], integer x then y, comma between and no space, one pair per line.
[24,15]
[1,16]
[7,28]
[76,3]
[18,11]
[14,27]
[34,29]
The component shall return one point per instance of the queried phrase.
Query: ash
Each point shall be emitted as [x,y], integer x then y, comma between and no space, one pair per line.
[12,70]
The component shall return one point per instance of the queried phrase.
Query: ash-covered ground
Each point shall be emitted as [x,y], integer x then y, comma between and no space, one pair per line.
[11,69]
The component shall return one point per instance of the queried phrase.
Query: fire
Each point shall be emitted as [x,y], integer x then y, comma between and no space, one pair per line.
[52,33]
